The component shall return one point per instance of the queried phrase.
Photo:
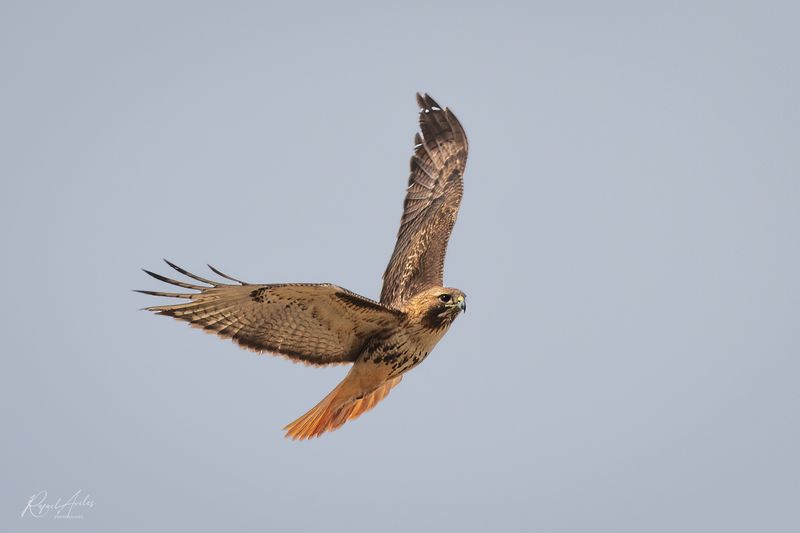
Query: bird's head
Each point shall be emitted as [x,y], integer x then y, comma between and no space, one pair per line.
[437,307]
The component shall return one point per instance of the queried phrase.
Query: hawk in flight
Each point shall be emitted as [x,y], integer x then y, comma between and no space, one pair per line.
[323,324]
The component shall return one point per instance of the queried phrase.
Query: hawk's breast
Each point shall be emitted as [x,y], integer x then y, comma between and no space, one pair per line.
[402,350]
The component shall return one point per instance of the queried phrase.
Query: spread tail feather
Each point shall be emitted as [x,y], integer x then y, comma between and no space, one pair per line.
[335,409]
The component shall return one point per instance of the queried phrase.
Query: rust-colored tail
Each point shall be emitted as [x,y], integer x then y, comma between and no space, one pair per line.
[339,406]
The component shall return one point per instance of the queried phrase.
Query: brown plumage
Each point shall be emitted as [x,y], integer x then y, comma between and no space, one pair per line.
[434,192]
[323,324]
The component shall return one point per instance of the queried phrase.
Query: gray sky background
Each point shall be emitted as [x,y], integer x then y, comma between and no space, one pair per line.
[628,241]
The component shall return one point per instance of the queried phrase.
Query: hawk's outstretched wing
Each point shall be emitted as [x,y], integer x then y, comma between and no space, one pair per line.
[317,324]
[434,193]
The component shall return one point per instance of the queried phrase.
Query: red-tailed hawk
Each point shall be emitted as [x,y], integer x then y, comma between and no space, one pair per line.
[322,324]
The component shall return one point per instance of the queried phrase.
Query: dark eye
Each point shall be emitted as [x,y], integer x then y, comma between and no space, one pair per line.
[445,298]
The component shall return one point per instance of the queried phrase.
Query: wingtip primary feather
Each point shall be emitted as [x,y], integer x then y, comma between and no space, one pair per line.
[217,272]
[167,294]
[427,103]
[171,281]
[190,275]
